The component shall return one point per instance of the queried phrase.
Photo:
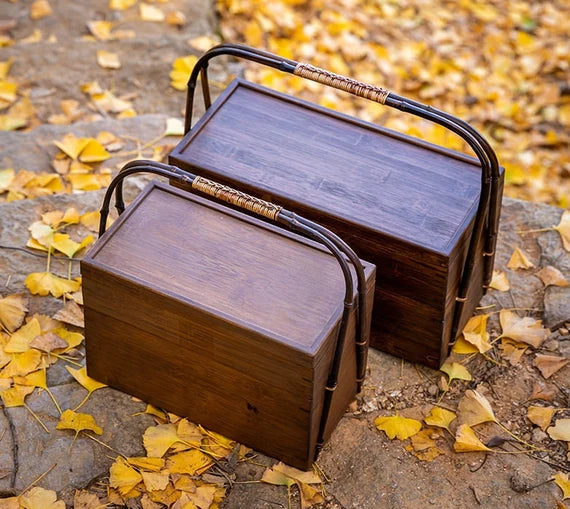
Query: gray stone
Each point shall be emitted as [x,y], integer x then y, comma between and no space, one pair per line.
[564,348]
[556,305]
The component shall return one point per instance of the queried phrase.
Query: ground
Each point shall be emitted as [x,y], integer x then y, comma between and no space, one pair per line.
[362,467]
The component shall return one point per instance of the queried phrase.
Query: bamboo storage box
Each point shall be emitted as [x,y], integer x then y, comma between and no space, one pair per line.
[222,318]
[412,208]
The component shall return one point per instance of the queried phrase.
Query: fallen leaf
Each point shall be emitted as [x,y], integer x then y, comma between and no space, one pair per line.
[150,12]
[440,417]
[463,347]
[512,351]
[71,145]
[181,69]
[155,480]
[475,332]
[560,430]
[78,422]
[158,439]
[13,309]
[455,371]
[174,127]
[526,330]
[20,340]
[43,283]
[549,364]
[188,432]
[81,376]
[123,477]
[71,313]
[519,260]
[176,18]
[10,503]
[541,416]
[551,276]
[148,464]
[563,228]
[121,5]
[85,500]
[39,498]
[6,178]
[89,182]
[467,441]
[108,60]
[40,9]
[474,409]
[22,364]
[93,152]
[396,426]
[192,462]
[203,43]
[15,396]
[499,281]
[562,481]
[282,475]
[542,391]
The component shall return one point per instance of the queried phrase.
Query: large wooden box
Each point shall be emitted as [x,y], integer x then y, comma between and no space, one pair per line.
[222,318]
[407,206]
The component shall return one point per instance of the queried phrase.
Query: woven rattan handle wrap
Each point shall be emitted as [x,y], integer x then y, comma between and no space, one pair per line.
[340,82]
[242,200]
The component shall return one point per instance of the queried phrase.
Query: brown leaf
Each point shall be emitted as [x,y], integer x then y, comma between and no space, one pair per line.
[543,391]
[541,416]
[549,364]
[71,313]
[48,342]
[526,330]
[552,276]
[85,500]
[13,309]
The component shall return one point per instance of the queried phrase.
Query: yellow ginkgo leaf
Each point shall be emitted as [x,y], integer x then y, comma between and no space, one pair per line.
[148,464]
[121,5]
[499,281]
[93,152]
[71,145]
[33,379]
[475,332]
[560,430]
[474,409]
[154,481]
[85,500]
[562,481]
[10,503]
[13,309]
[189,432]
[519,260]
[40,9]
[455,371]
[87,382]
[440,417]
[202,496]
[15,396]
[78,422]
[563,228]
[41,232]
[396,426]
[463,347]
[526,330]
[158,439]
[108,59]
[44,283]
[512,351]
[181,69]
[541,416]
[20,341]
[40,498]
[552,276]
[282,475]
[89,181]
[91,220]
[467,441]
[100,29]
[123,477]
[22,364]
[151,13]
[192,462]
[6,178]
[72,339]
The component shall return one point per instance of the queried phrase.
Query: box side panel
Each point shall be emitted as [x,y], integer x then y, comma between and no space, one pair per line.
[178,358]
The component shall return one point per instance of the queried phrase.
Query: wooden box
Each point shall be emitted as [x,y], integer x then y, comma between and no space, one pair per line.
[222,318]
[407,206]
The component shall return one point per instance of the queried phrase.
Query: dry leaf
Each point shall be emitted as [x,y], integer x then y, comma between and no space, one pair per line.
[542,391]
[13,309]
[283,475]
[176,18]
[560,430]
[203,43]
[467,441]
[562,481]
[519,260]
[396,426]
[541,416]
[150,13]
[71,146]
[123,476]
[563,228]
[20,341]
[499,281]
[40,9]
[155,480]
[549,364]
[191,462]
[463,347]
[39,498]
[552,276]
[475,332]
[43,283]
[440,417]
[71,313]
[108,60]
[475,409]
[148,464]
[181,69]
[85,500]
[526,330]
[158,439]
[512,351]
[10,503]
[78,422]
[455,371]
[121,5]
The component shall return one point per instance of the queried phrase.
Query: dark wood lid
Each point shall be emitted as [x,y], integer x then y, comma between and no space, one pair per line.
[231,265]
[353,170]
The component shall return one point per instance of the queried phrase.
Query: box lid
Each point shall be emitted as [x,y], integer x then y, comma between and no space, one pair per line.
[350,169]
[228,264]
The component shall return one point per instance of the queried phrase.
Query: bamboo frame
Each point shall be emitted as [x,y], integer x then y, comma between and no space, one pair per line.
[487,218]
[292,221]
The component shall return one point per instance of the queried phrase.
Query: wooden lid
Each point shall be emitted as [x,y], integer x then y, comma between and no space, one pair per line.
[350,169]
[226,263]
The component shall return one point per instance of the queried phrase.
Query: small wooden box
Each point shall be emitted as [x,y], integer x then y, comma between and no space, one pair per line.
[405,205]
[219,317]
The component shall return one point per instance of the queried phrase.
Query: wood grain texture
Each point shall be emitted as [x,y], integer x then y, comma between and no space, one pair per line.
[168,294]
[405,205]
